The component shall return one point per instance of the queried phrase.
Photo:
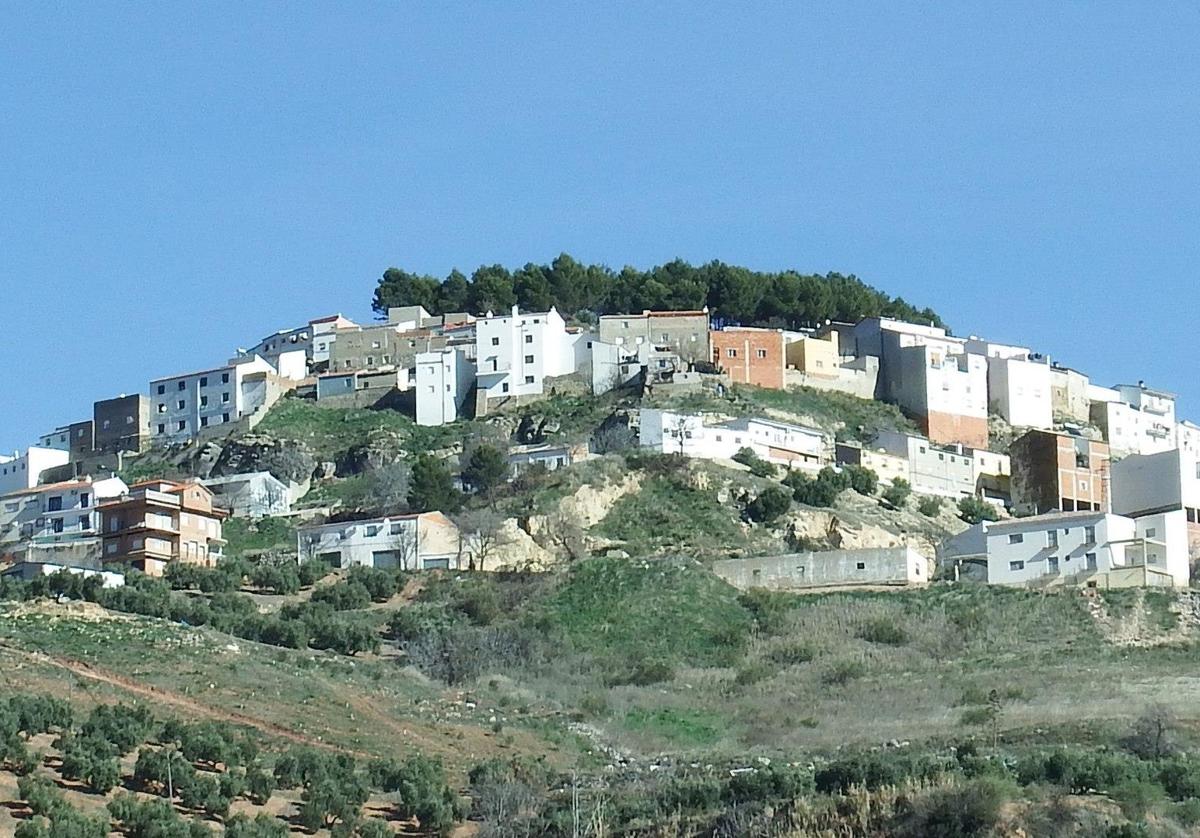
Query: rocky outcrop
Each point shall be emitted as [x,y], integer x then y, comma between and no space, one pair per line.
[368,456]
[288,460]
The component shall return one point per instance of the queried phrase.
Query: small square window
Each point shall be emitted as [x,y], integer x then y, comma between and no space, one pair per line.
[529,359]
[224,378]
[529,379]
[495,341]
[182,385]
[162,388]
[860,565]
[204,381]
[762,353]
[1016,538]
[730,353]
[1016,565]
[529,338]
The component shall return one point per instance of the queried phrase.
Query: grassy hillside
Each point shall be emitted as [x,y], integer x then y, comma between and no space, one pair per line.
[660,662]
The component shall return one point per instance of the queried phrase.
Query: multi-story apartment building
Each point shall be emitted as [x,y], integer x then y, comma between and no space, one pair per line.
[1135,419]
[184,405]
[792,446]
[50,518]
[1148,484]
[1079,548]
[516,353]
[161,521]
[444,379]
[947,393]
[817,356]
[424,541]
[384,346]
[78,439]
[1019,387]
[121,423]
[683,333]
[23,470]
[1054,472]
[750,355]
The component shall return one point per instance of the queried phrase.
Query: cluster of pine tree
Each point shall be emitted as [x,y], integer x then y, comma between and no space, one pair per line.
[784,299]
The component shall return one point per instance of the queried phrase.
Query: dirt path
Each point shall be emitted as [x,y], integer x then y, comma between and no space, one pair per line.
[173,699]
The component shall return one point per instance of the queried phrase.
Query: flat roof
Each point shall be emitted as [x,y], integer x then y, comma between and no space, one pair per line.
[1048,519]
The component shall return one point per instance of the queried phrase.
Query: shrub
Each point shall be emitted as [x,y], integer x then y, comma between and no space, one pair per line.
[259,785]
[821,491]
[896,494]
[311,572]
[344,596]
[280,579]
[862,479]
[770,504]
[262,826]
[757,465]
[843,672]
[929,505]
[642,673]
[91,760]
[884,632]
[876,770]
[973,510]
[957,812]
[1152,735]
[420,783]
[752,673]
[380,584]
[768,784]
[791,654]
[122,726]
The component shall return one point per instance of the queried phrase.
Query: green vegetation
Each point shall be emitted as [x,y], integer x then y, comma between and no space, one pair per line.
[770,504]
[757,465]
[244,536]
[819,491]
[929,505]
[669,514]
[897,494]
[678,727]
[974,510]
[738,294]
[328,432]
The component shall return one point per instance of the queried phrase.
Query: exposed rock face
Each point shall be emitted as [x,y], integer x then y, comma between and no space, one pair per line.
[368,457]
[289,461]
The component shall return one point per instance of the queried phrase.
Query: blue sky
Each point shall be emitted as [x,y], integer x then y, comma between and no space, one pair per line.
[178,180]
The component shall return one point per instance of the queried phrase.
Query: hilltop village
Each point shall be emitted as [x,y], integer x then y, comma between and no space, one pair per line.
[1051,479]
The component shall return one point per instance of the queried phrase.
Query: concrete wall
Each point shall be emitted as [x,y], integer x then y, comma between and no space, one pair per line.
[1145,483]
[815,357]
[22,471]
[797,571]
[122,423]
[444,382]
[858,378]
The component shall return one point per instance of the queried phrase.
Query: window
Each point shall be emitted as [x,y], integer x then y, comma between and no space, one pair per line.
[204,421]
[529,379]
[730,353]
[11,507]
[204,381]
[1150,531]
[162,388]
[54,504]
[372,530]
[396,529]
[110,548]
[57,525]
[762,353]
[1052,564]
[182,385]
[224,378]
[181,425]
[162,429]
[204,401]
[860,565]
[181,404]
[1091,561]
[1016,566]
[504,387]
[1016,538]
[162,407]
[1089,534]
[224,417]
[529,359]
[1052,538]
[529,338]
[224,398]
[496,341]
[375,344]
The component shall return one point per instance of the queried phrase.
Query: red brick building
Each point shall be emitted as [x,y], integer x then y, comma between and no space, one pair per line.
[751,356]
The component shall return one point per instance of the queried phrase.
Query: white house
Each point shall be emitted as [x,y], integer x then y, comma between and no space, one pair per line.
[932,469]
[255,494]
[24,470]
[1098,548]
[29,570]
[444,379]
[314,338]
[515,353]
[687,434]
[422,541]
[1019,386]
[55,514]
[181,406]
[947,392]
[1135,419]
